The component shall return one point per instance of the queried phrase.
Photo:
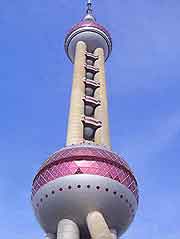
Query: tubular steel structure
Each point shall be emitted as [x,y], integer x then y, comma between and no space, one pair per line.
[85,190]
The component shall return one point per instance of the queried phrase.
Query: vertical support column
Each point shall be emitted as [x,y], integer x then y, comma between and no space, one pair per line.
[75,126]
[97,226]
[102,136]
[67,229]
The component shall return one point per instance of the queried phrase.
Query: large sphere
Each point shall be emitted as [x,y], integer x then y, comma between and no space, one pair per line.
[93,34]
[80,179]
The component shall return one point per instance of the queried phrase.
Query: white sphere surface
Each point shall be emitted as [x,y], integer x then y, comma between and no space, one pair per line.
[73,197]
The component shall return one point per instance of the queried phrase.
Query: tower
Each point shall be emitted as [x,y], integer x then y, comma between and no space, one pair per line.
[85,185]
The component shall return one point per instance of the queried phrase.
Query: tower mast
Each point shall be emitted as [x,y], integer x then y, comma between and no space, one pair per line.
[88,115]
[89,12]
[89,7]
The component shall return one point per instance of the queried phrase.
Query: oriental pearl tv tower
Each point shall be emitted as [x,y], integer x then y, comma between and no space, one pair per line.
[85,190]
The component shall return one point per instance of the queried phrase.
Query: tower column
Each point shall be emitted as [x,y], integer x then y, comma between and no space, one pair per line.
[97,226]
[67,229]
[75,126]
[102,136]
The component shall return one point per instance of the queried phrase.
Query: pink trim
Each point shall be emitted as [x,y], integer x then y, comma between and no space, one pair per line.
[84,160]
[88,24]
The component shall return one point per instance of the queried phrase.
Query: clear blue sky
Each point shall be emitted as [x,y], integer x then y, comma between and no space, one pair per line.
[143,77]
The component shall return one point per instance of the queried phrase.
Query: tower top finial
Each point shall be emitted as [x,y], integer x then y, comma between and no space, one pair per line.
[89,12]
[89,7]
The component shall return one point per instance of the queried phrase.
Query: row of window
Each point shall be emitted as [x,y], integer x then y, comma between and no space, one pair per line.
[89,107]
[88,187]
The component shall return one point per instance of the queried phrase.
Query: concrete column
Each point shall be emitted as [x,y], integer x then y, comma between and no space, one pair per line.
[67,229]
[98,227]
[102,136]
[50,236]
[75,126]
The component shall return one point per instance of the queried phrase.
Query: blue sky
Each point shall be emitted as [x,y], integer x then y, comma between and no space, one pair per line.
[143,78]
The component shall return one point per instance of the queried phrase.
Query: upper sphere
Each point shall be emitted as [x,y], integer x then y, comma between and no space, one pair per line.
[92,33]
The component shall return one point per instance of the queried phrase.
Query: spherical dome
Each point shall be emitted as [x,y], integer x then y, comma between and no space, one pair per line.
[89,62]
[80,179]
[88,133]
[93,34]
[89,75]
[89,91]
[89,110]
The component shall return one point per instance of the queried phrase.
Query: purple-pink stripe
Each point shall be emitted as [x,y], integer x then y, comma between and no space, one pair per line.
[82,160]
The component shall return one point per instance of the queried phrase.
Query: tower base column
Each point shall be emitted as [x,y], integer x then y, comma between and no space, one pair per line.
[67,229]
[98,227]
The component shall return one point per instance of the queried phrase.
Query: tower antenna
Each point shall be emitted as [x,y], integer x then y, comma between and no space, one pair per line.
[89,7]
[89,12]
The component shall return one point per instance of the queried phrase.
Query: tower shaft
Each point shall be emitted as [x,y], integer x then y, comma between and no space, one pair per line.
[89,72]
[75,127]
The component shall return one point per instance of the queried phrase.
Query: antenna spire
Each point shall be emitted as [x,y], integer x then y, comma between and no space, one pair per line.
[89,12]
[89,7]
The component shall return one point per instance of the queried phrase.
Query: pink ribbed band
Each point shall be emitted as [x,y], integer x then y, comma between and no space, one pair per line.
[88,24]
[85,160]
